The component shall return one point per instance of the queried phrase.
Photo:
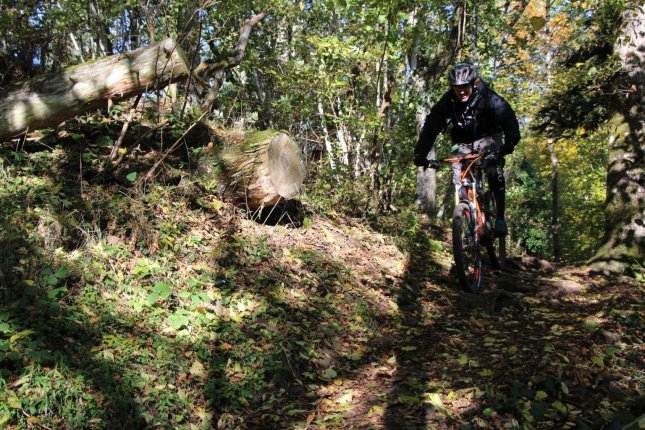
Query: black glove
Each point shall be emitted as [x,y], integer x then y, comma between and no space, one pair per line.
[492,155]
[420,161]
[495,158]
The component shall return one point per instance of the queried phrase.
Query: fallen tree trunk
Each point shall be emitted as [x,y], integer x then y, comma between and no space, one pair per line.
[47,100]
[253,169]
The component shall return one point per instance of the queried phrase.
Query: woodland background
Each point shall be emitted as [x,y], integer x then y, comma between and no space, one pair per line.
[353,81]
[87,257]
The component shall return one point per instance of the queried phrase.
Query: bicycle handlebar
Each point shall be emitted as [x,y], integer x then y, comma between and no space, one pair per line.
[485,155]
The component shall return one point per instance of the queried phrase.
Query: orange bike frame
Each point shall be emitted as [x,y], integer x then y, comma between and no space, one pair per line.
[471,197]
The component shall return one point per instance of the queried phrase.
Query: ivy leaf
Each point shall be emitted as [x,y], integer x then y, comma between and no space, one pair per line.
[13,401]
[560,407]
[163,289]
[53,293]
[329,373]
[152,298]
[178,321]
[20,335]
[435,400]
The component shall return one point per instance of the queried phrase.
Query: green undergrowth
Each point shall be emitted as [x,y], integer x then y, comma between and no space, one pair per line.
[137,309]
[127,307]
[341,195]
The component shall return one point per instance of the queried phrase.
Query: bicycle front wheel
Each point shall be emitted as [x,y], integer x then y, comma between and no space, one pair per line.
[466,250]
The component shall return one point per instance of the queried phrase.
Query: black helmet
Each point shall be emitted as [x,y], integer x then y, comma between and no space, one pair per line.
[462,74]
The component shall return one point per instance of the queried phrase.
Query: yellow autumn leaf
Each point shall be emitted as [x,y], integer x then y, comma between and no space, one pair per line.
[346,398]
[197,369]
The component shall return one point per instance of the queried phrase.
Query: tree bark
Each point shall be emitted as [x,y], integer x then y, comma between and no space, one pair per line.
[555,201]
[209,68]
[624,244]
[47,100]
[426,184]
[254,169]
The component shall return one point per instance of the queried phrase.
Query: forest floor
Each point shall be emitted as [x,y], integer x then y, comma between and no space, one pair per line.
[544,346]
[129,308]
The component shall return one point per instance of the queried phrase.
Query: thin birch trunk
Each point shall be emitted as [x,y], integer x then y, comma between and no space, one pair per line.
[555,204]
[328,146]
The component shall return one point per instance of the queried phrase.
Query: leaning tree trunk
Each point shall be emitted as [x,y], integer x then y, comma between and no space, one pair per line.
[47,100]
[624,245]
[253,169]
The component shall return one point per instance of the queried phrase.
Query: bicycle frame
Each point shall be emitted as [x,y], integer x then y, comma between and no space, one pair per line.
[470,227]
[472,182]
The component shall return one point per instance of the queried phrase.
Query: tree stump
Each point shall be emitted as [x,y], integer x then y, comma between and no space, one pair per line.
[254,169]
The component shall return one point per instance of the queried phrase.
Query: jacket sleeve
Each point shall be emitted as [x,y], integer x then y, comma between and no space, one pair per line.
[434,124]
[506,119]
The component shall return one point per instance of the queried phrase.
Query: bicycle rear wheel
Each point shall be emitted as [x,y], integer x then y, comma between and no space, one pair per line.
[489,239]
[466,250]
[497,256]
[501,255]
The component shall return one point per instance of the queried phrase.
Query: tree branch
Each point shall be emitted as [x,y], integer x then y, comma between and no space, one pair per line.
[209,67]
[214,68]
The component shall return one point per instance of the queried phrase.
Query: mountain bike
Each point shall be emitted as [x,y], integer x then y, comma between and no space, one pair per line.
[473,221]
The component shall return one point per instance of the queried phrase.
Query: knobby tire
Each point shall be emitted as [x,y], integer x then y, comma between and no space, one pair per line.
[501,258]
[489,240]
[497,259]
[468,261]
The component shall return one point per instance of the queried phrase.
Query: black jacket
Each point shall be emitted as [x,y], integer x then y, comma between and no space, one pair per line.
[485,114]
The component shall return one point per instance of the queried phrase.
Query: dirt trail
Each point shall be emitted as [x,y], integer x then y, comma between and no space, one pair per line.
[541,347]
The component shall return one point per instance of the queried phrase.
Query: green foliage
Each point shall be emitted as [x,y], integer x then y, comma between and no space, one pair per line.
[583,93]
[350,194]
[581,187]
[130,307]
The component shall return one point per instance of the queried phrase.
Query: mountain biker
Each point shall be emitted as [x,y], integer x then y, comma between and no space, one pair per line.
[481,121]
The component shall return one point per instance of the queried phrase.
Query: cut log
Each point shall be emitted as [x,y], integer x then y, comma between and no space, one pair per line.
[47,100]
[256,169]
